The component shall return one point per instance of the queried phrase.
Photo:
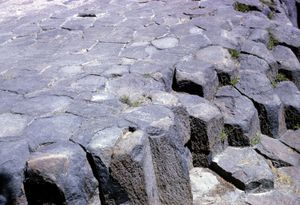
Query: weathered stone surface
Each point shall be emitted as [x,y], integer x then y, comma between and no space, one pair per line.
[14,155]
[293,175]
[270,197]
[244,168]
[240,116]
[165,42]
[196,78]
[166,140]
[290,97]
[258,88]
[291,139]
[105,75]
[206,124]
[207,188]
[62,171]
[12,124]
[288,63]
[51,130]
[277,152]
[218,56]
[256,64]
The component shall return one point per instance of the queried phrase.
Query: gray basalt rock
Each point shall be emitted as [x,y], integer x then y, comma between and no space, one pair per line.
[133,162]
[270,197]
[60,174]
[260,50]
[220,57]
[288,63]
[196,78]
[291,139]
[50,130]
[14,155]
[208,187]
[290,97]
[206,124]
[240,116]
[245,169]
[257,87]
[256,64]
[277,152]
[293,175]
[12,124]
[166,140]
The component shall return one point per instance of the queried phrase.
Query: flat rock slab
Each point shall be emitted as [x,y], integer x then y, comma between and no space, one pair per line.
[273,196]
[277,152]
[244,168]
[292,139]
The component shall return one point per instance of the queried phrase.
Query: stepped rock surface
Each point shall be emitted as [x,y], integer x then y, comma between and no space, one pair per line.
[159,102]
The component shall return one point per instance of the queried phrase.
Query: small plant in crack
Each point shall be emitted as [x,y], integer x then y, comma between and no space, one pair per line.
[147,75]
[272,41]
[126,100]
[241,7]
[223,135]
[234,81]
[271,15]
[234,53]
[255,140]
[279,78]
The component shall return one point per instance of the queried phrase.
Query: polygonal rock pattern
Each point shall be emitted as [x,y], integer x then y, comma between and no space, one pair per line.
[240,116]
[270,109]
[244,168]
[277,152]
[95,84]
[225,66]
[196,78]
[206,124]
[290,97]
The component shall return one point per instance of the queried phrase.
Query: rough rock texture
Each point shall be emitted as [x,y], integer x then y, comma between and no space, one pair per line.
[270,109]
[290,96]
[246,169]
[206,124]
[125,101]
[278,153]
[240,116]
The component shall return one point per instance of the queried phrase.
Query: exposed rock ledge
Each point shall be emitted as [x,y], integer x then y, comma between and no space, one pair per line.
[149,102]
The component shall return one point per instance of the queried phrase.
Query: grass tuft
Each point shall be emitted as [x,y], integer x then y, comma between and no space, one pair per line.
[234,53]
[279,78]
[241,7]
[234,81]
[223,135]
[272,41]
[255,140]
[126,100]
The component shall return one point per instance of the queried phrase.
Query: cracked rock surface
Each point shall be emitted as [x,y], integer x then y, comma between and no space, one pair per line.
[149,102]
